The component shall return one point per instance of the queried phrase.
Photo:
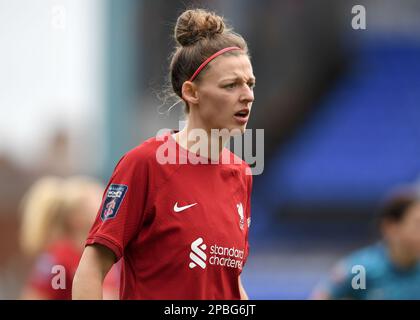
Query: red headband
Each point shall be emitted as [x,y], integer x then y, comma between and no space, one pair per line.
[218,53]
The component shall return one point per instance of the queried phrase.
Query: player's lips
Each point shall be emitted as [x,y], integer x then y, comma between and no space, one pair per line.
[242,116]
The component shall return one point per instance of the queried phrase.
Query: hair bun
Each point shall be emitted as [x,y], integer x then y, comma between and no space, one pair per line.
[197,24]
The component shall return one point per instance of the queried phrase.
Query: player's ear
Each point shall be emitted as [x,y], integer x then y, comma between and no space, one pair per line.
[189,92]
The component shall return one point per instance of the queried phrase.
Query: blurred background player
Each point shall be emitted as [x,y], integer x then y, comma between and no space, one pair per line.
[57,214]
[389,269]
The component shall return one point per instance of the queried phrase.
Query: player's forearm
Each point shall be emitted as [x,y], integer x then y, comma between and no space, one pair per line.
[93,267]
[87,284]
[244,295]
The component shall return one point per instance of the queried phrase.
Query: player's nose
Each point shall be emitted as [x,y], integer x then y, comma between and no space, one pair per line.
[247,95]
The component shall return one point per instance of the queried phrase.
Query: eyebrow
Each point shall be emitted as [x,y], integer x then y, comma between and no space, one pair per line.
[253,79]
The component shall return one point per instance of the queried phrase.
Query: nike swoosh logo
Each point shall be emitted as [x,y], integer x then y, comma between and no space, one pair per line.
[179,209]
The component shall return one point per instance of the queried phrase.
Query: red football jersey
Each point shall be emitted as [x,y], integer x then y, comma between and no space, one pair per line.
[182,229]
[53,272]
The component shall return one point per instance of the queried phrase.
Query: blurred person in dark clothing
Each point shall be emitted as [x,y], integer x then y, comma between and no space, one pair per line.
[389,269]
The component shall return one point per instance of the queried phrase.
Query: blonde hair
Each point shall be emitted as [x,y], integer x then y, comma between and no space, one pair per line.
[46,208]
[39,207]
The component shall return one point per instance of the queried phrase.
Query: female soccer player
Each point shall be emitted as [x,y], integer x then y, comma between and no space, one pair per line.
[57,215]
[182,228]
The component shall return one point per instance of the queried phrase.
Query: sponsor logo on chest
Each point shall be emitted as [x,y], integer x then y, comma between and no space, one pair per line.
[217,255]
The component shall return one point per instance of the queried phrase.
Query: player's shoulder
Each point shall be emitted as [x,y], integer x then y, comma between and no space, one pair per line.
[237,163]
[62,245]
[147,147]
[370,253]
[144,153]
[372,259]
[63,251]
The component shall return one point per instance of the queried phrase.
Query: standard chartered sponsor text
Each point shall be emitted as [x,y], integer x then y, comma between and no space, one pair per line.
[227,257]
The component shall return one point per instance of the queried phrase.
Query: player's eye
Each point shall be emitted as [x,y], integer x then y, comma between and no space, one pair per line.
[251,85]
[230,85]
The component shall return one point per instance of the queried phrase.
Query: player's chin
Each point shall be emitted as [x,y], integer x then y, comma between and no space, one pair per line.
[240,130]
[234,130]
[237,127]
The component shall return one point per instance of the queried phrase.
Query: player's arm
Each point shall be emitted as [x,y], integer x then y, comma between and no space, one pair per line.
[94,265]
[244,295]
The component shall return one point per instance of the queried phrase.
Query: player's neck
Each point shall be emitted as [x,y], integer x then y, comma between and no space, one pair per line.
[201,141]
[400,256]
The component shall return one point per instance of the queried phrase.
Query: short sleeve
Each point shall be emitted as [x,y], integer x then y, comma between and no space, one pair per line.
[124,203]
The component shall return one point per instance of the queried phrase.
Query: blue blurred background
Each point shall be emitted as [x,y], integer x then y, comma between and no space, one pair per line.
[80,86]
